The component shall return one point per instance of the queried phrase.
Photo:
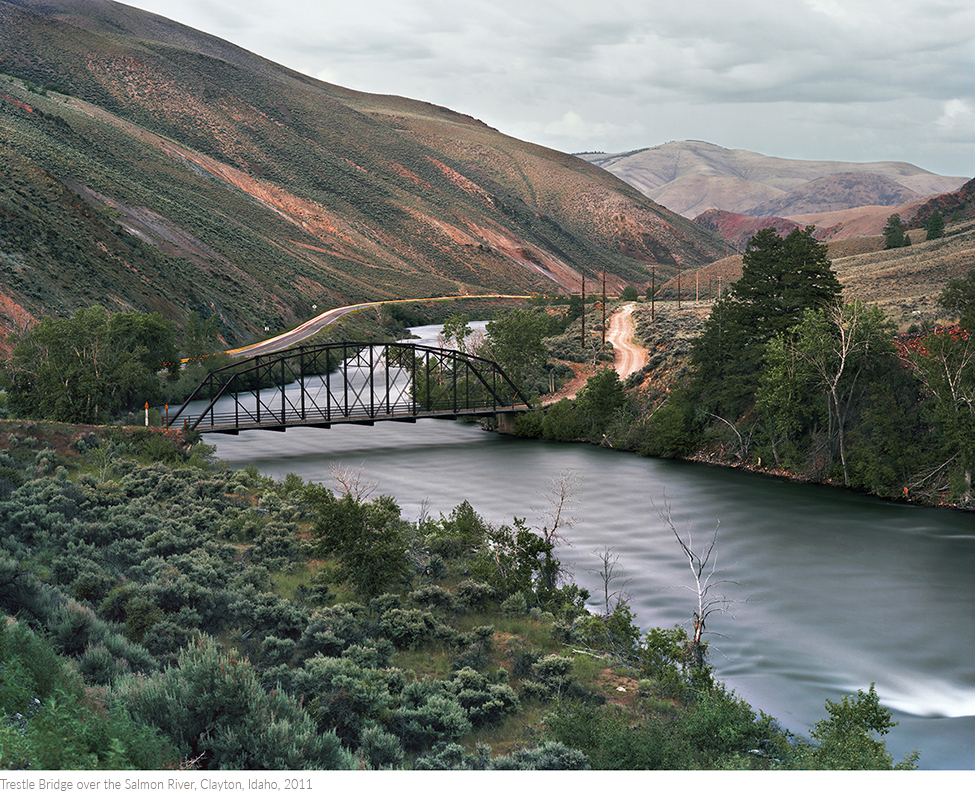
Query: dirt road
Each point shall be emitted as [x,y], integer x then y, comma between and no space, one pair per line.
[630,357]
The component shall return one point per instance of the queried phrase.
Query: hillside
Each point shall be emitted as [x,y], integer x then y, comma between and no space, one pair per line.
[693,177]
[148,166]
[904,282]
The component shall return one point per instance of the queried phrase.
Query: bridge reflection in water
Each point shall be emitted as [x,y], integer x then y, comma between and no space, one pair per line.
[348,382]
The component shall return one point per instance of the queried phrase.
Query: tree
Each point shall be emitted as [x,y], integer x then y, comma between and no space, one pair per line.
[958,298]
[369,538]
[935,227]
[200,338]
[557,518]
[91,367]
[703,568]
[838,345]
[457,333]
[515,342]
[781,278]
[894,234]
[599,400]
[845,740]
[945,363]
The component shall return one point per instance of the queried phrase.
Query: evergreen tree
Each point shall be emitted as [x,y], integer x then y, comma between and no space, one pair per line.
[935,227]
[781,279]
[893,233]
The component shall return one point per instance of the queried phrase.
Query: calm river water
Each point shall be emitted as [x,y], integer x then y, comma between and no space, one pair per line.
[832,590]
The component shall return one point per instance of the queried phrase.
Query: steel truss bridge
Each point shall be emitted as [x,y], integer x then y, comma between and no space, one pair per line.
[348,382]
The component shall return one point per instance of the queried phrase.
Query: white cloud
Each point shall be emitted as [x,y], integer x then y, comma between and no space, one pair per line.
[860,78]
[958,117]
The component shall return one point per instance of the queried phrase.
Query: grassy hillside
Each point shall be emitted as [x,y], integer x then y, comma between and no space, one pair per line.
[149,166]
[904,282]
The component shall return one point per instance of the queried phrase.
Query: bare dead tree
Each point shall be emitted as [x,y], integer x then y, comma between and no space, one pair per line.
[556,518]
[351,481]
[703,567]
[563,492]
[608,573]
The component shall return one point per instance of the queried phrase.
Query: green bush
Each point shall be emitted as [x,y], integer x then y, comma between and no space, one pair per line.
[47,723]
[428,714]
[215,710]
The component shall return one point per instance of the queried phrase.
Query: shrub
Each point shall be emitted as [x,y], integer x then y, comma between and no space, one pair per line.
[547,756]
[379,749]
[215,710]
[408,628]
[608,741]
[427,715]
[474,594]
[47,722]
[486,703]
[341,696]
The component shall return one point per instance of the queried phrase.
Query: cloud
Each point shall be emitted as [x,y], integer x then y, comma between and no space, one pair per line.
[957,120]
[863,78]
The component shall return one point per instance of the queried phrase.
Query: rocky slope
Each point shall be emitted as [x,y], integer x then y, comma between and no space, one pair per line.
[145,165]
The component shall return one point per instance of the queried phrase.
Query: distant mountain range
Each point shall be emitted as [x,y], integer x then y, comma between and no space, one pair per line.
[696,178]
[146,165]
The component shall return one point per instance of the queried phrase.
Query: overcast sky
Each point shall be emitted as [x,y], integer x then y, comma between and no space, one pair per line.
[850,80]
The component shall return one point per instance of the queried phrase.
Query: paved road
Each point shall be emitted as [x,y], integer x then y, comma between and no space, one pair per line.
[311,327]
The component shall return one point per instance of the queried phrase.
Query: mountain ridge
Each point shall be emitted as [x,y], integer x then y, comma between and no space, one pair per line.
[692,177]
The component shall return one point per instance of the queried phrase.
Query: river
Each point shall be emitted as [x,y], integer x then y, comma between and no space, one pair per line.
[830,590]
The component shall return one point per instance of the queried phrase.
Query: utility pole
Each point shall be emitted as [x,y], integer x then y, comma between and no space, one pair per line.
[604,310]
[653,289]
[583,342]
[678,287]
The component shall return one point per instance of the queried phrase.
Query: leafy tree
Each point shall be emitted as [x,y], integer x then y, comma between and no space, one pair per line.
[837,345]
[91,367]
[369,537]
[894,233]
[945,363]
[629,294]
[515,341]
[845,740]
[603,395]
[200,337]
[516,559]
[935,227]
[456,332]
[561,422]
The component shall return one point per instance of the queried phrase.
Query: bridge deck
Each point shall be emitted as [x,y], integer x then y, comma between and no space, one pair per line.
[231,423]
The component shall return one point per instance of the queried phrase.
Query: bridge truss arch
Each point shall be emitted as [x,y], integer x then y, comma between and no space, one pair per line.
[348,382]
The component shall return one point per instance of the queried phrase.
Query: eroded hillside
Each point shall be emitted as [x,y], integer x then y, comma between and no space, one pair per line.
[147,166]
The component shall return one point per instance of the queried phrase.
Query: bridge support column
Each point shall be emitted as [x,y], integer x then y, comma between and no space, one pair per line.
[506,422]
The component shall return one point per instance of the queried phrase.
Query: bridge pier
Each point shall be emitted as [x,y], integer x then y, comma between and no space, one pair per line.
[506,422]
